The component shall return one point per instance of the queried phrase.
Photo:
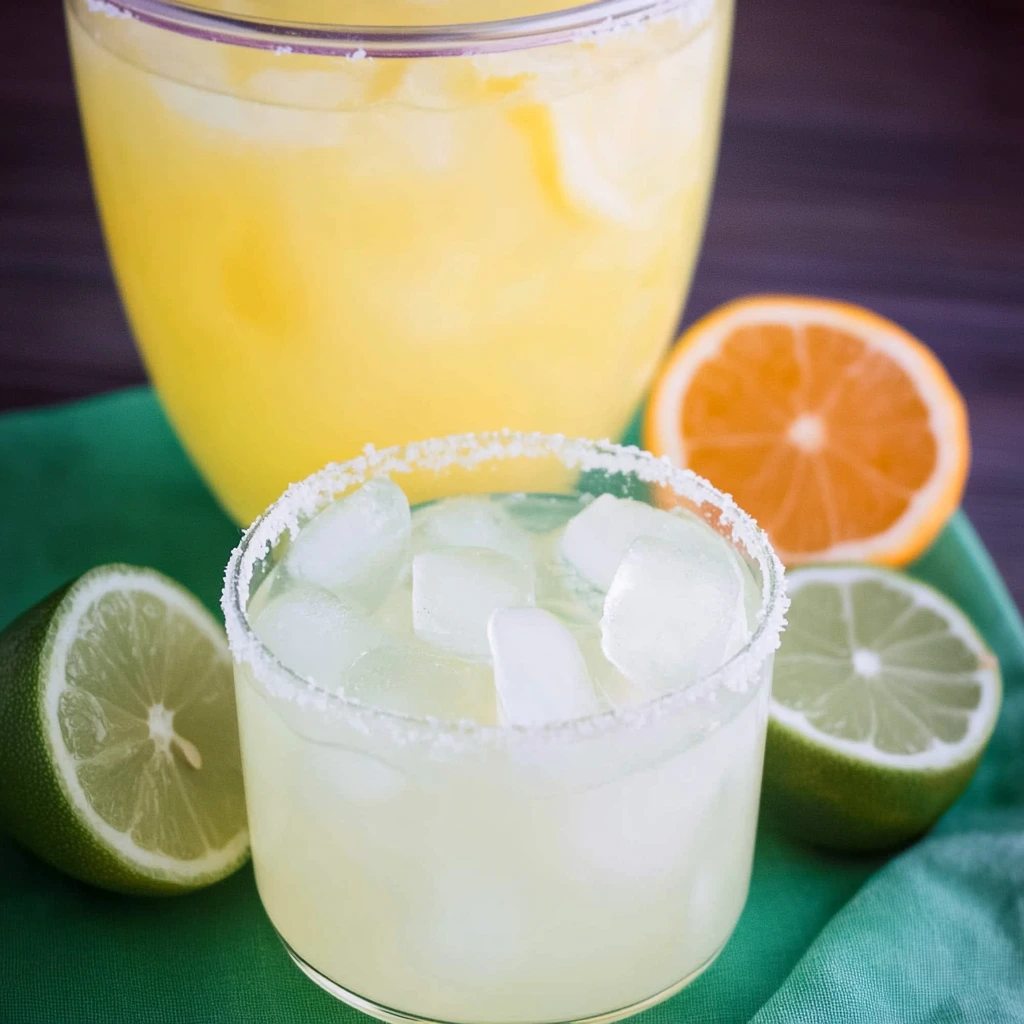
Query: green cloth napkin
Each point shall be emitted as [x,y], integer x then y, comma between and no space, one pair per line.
[934,934]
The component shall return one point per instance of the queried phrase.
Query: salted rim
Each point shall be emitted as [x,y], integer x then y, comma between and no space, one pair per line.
[572,24]
[303,499]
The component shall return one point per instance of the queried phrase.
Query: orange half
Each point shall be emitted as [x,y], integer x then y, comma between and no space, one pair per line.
[836,429]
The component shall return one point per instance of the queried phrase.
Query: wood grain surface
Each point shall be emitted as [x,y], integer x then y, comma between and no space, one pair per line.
[872,151]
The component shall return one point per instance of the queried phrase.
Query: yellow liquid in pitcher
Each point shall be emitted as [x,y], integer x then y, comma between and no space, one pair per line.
[320,252]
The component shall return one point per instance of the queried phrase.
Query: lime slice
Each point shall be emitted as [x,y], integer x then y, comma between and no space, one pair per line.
[883,698]
[118,740]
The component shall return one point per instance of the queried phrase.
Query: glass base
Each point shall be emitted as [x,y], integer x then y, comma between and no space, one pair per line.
[393,1016]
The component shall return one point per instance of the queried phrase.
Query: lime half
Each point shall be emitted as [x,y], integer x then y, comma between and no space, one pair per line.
[884,696]
[118,740]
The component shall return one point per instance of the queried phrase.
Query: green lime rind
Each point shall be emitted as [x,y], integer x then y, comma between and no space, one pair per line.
[827,792]
[840,803]
[36,805]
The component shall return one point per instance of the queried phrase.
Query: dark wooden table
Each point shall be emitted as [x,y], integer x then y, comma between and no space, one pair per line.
[872,151]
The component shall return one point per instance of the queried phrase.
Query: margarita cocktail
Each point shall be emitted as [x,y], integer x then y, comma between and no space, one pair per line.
[502,752]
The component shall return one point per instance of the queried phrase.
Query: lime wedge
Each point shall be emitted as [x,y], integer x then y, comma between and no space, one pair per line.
[883,698]
[118,740]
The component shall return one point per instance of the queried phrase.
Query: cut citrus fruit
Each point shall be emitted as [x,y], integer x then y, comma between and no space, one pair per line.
[838,431]
[118,740]
[883,698]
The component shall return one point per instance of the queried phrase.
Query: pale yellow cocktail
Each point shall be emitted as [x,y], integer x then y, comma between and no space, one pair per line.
[502,754]
[323,249]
